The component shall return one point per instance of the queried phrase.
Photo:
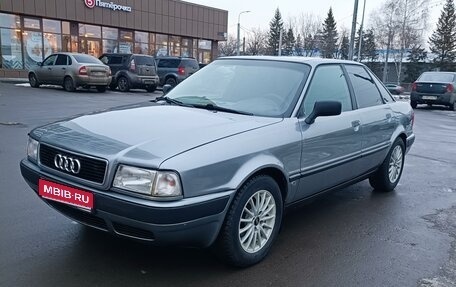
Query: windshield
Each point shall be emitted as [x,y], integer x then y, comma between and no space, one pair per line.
[259,87]
[436,77]
[86,59]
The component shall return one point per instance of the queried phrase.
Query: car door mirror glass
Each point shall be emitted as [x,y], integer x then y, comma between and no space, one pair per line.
[324,109]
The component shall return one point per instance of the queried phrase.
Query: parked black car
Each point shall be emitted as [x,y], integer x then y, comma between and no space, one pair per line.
[173,70]
[434,88]
[132,71]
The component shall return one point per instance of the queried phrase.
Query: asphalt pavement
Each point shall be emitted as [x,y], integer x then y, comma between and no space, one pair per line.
[350,237]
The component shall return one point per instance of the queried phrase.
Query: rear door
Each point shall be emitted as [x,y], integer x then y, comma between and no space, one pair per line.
[190,65]
[377,121]
[145,65]
[331,146]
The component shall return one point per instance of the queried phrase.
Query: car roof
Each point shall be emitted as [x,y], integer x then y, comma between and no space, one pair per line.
[124,54]
[295,59]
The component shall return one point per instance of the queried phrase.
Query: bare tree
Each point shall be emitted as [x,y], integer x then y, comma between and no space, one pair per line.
[228,47]
[256,42]
[308,25]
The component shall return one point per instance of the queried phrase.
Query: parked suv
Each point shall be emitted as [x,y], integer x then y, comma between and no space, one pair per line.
[132,71]
[434,88]
[173,70]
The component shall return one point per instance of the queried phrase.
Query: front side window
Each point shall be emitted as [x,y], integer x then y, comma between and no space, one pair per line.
[238,85]
[327,84]
[366,91]
[49,60]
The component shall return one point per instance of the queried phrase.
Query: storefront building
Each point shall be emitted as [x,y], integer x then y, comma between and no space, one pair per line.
[31,30]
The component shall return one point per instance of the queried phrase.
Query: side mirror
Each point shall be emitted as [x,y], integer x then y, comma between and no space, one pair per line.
[167,88]
[324,109]
[39,64]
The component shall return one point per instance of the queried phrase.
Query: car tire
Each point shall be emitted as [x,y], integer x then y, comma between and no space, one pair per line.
[33,81]
[171,81]
[151,89]
[123,84]
[243,223]
[388,175]
[413,104]
[101,89]
[68,84]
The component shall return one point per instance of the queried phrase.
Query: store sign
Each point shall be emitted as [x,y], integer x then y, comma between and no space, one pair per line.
[108,5]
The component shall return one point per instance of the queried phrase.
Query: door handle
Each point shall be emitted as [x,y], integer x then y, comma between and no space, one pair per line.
[63,68]
[388,116]
[49,69]
[356,124]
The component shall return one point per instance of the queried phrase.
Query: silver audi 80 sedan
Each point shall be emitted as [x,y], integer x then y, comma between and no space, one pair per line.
[71,70]
[216,160]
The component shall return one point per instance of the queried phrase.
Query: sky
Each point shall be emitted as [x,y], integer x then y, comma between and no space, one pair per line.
[262,11]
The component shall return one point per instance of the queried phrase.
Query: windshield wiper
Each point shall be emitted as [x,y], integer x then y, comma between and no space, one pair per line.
[214,107]
[171,101]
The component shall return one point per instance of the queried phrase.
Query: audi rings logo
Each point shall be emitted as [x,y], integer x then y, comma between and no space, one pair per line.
[67,163]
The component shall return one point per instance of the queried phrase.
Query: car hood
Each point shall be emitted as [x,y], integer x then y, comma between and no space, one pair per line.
[145,134]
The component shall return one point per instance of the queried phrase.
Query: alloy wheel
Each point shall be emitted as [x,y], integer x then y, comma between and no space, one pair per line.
[257,221]
[395,164]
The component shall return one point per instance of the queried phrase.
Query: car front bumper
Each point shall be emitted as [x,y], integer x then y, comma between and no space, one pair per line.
[160,223]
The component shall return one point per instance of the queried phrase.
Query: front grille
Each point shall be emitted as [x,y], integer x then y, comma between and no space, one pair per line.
[79,215]
[91,169]
[130,231]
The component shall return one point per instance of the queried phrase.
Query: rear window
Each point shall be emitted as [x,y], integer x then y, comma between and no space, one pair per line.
[190,63]
[145,60]
[86,59]
[436,77]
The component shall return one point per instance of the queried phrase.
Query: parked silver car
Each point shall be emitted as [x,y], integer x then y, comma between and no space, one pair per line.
[216,160]
[71,70]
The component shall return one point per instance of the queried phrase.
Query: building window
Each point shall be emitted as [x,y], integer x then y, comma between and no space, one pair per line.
[51,26]
[205,54]
[89,31]
[110,40]
[141,42]
[66,27]
[52,44]
[186,49]
[33,48]
[126,42]
[10,21]
[11,48]
[161,45]
[174,46]
[152,44]
[31,23]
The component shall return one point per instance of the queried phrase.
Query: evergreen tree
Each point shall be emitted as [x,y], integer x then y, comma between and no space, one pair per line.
[369,46]
[416,65]
[344,47]
[329,36]
[299,46]
[275,26]
[443,40]
[289,42]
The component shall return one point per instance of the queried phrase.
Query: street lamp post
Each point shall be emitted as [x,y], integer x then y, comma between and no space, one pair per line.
[238,42]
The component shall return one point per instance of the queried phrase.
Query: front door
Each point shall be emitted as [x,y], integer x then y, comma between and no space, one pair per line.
[91,47]
[331,146]
[44,72]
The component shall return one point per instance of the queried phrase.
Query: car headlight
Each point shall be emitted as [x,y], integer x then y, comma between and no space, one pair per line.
[32,149]
[148,182]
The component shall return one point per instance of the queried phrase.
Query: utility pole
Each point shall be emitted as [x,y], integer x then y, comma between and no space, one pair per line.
[353,31]
[361,33]
[238,42]
[280,43]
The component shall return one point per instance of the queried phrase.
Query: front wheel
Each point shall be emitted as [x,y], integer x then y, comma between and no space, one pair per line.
[388,175]
[252,223]
[33,81]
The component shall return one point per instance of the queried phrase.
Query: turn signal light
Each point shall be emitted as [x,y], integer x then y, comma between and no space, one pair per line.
[83,70]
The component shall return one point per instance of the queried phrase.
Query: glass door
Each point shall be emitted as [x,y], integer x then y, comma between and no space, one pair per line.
[91,47]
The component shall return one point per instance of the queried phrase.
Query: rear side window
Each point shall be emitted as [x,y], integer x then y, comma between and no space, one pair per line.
[145,60]
[86,59]
[328,84]
[168,63]
[383,91]
[366,91]
[436,77]
[112,60]
[62,60]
